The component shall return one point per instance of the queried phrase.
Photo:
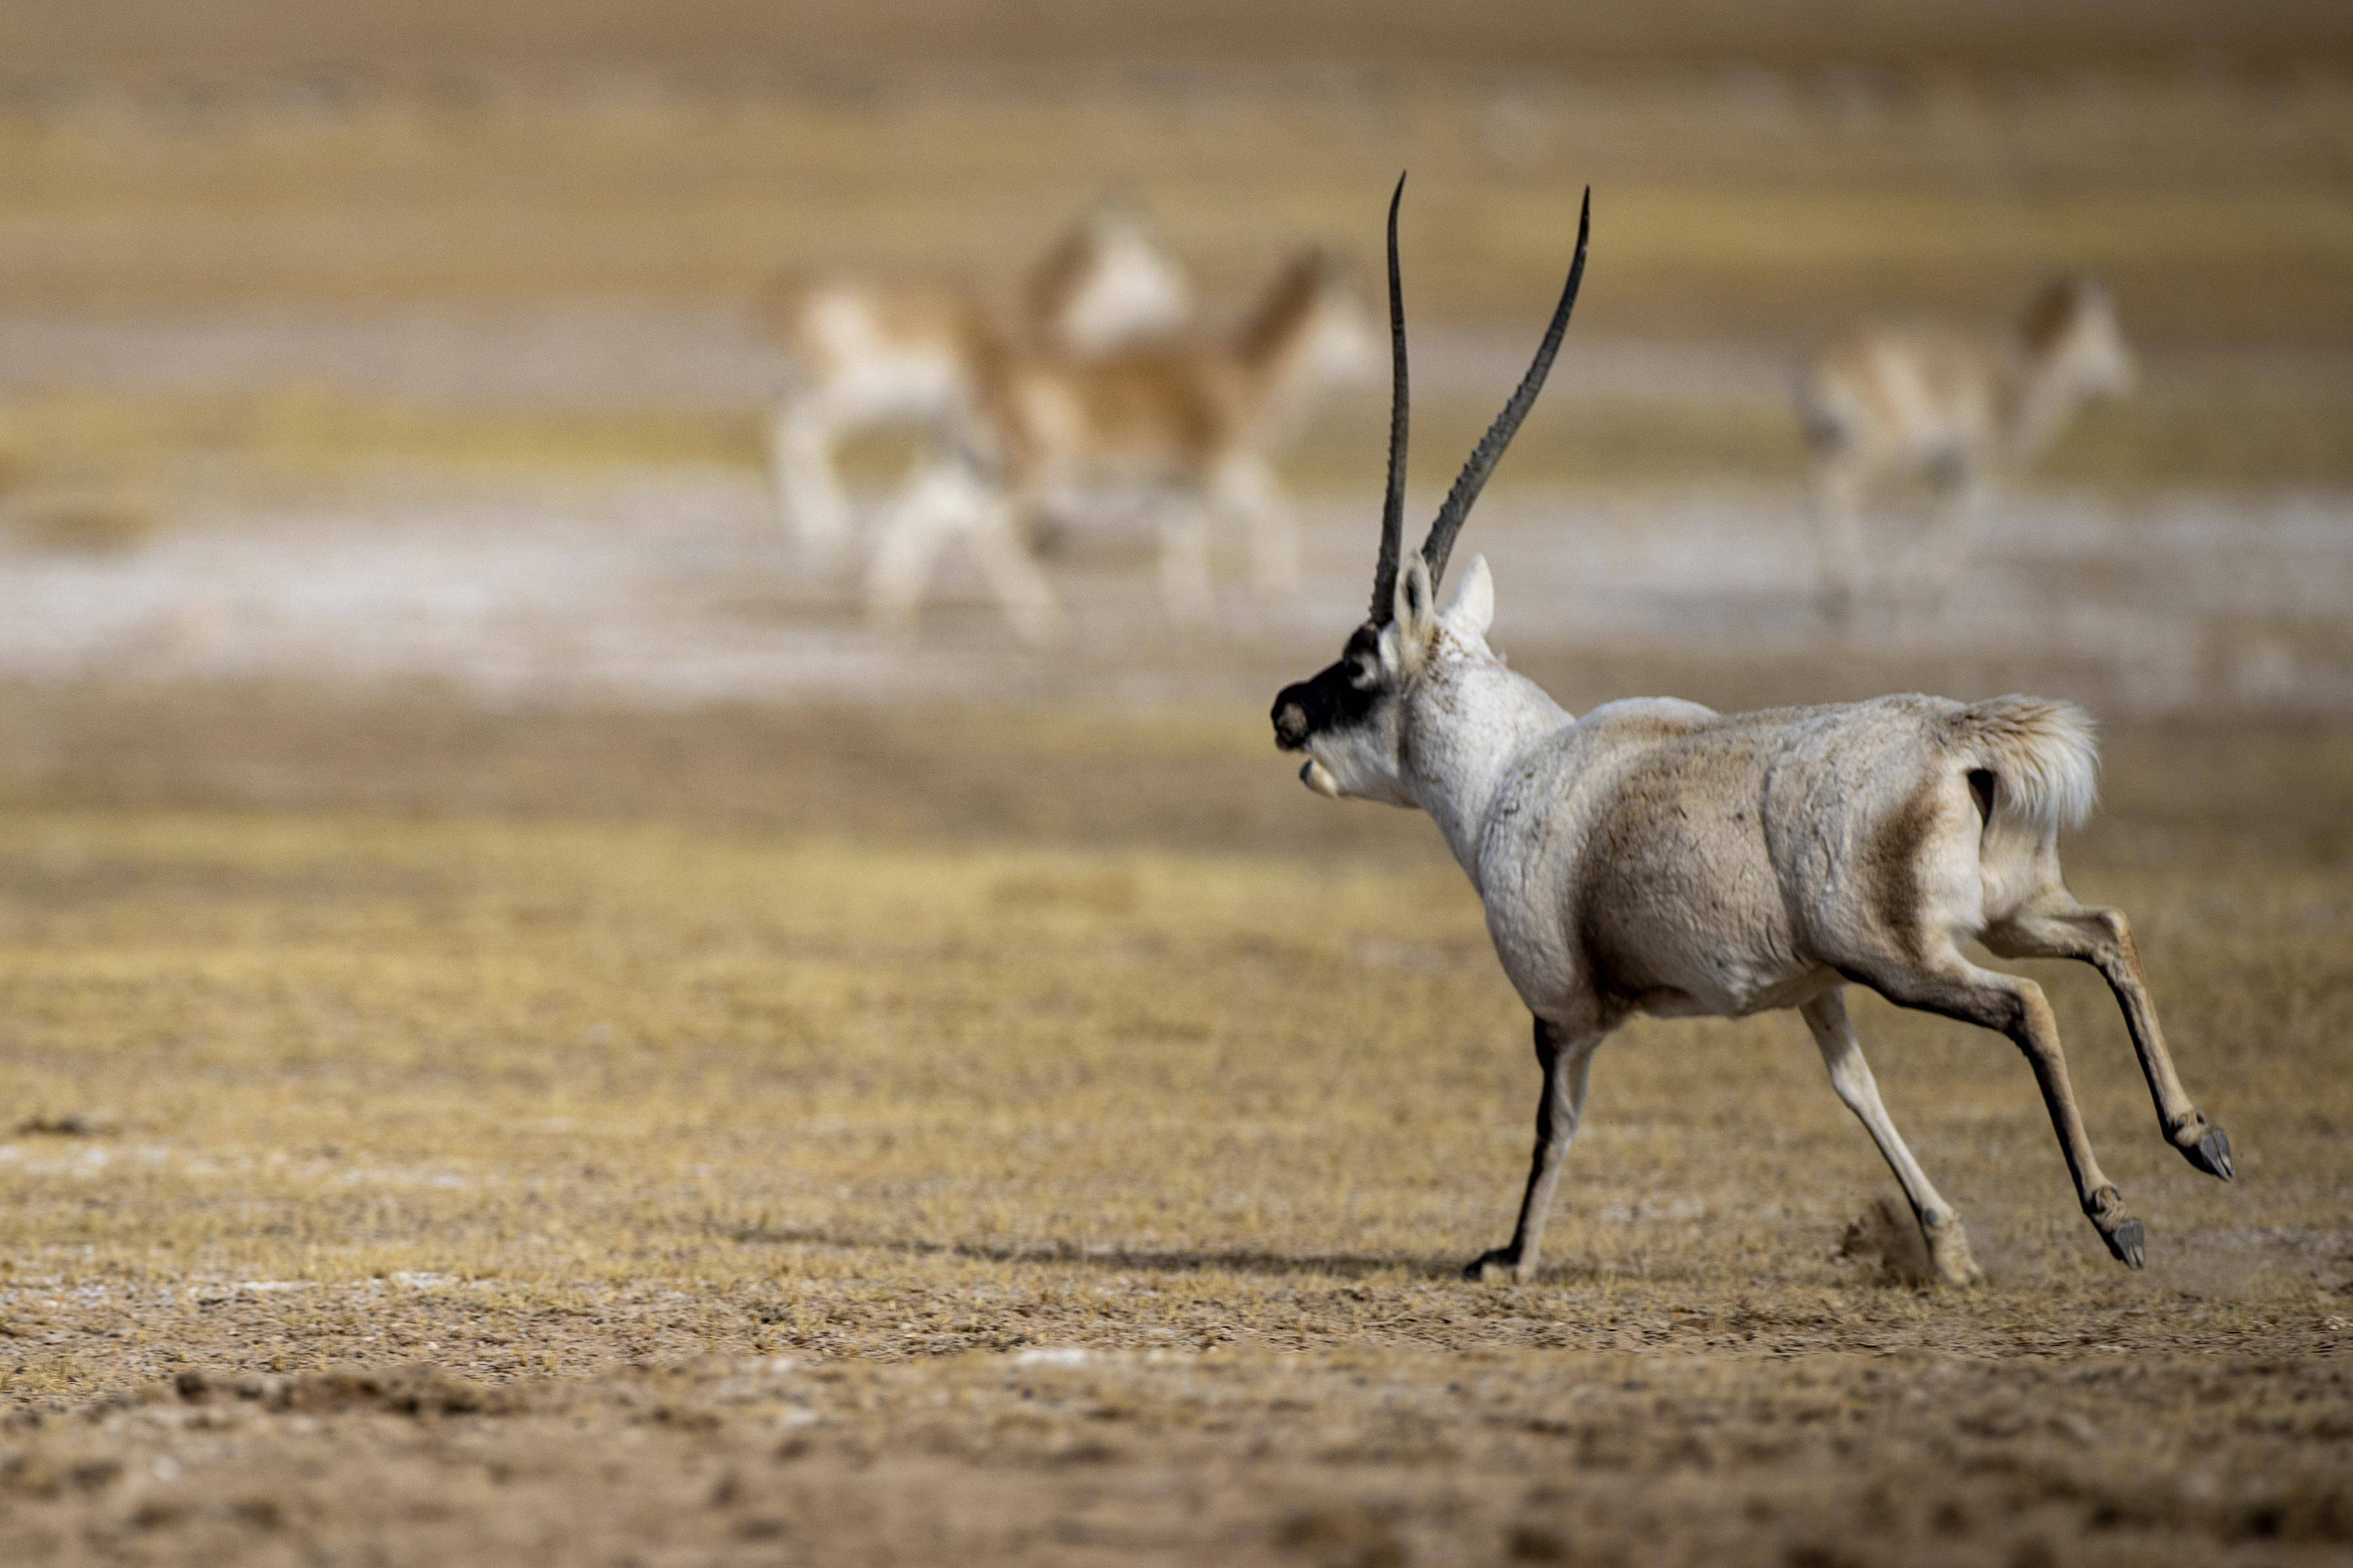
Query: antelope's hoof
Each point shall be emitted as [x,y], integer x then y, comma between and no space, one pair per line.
[2129,1243]
[2211,1154]
[1948,1255]
[1492,1268]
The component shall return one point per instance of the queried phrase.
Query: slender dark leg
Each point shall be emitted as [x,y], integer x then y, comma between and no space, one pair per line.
[1950,984]
[1565,1063]
[2059,927]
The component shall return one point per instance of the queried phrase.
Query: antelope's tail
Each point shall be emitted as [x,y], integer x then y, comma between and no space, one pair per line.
[2042,756]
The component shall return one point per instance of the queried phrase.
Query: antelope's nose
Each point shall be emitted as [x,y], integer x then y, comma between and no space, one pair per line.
[1291,718]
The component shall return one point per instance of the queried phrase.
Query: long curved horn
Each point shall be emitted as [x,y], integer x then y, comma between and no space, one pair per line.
[1393,505]
[1490,450]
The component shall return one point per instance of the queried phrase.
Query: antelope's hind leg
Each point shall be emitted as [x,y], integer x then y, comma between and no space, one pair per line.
[1566,1063]
[1840,567]
[1851,1076]
[1946,550]
[2055,926]
[1942,981]
[944,502]
[809,492]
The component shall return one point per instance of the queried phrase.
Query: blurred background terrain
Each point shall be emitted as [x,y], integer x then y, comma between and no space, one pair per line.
[473,900]
[338,339]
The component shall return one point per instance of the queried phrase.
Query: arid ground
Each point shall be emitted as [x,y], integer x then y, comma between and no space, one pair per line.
[530,1034]
[851,1136]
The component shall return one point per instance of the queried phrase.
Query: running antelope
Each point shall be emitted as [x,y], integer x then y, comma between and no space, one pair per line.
[865,352]
[1656,856]
[1891,403]
[1186,423]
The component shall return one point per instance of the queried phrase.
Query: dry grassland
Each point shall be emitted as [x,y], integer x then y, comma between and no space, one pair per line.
[2234,430]
[1769,208]
[1763,210]
[878,1173]
[739,39]
[434,1133]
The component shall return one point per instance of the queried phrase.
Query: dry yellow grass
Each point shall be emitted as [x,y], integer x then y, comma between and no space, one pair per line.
[2220,432]
[1770,209]
[588,1122]
[831,39]
[1776,207]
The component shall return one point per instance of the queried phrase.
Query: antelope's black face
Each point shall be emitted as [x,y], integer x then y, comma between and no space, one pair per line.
[1345,717]
[1349,717]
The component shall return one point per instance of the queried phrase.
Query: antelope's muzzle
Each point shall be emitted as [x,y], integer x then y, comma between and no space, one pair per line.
[1296,710]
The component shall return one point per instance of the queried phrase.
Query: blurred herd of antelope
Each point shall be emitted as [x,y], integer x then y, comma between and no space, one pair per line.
[1102,391]
[1932,400]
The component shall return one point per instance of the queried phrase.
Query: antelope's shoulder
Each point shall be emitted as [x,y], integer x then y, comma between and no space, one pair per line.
[1558,779]
[1614,729]
[1638,727]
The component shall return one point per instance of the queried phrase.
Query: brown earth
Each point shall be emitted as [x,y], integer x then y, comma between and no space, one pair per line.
[731,1136]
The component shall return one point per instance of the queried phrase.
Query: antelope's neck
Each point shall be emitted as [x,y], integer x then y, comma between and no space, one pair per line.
[1271,353]
[1467,724]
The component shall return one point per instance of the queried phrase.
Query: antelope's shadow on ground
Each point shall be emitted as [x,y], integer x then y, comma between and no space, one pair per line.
[1344,1265]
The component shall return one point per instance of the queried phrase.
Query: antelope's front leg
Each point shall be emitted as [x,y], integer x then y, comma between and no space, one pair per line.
[1566,1062]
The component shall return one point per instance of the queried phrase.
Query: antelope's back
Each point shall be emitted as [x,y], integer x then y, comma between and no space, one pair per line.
[1900,387]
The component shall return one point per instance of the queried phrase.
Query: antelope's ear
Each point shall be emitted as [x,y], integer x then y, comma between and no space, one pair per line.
[1414,610]
[1473,609]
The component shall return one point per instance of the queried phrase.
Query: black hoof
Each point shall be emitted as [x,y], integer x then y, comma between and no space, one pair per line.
[2130,1244]
[1500,1260]
[2211,1154]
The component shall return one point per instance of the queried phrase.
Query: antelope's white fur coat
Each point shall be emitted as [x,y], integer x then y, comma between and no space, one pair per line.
[1657,857]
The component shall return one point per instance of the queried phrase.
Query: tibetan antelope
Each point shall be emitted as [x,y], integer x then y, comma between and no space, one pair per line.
[863,353]
[1894,403]
[1656,856]
[1185,424]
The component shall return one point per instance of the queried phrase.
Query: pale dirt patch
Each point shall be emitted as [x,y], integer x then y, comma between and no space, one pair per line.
[679,589]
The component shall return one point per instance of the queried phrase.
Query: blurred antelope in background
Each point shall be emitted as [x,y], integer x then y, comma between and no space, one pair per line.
[1188,424]
[864,352]
[1657,857]
[1933,402]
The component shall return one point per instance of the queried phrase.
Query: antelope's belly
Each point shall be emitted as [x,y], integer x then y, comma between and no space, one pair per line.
[1735,991]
